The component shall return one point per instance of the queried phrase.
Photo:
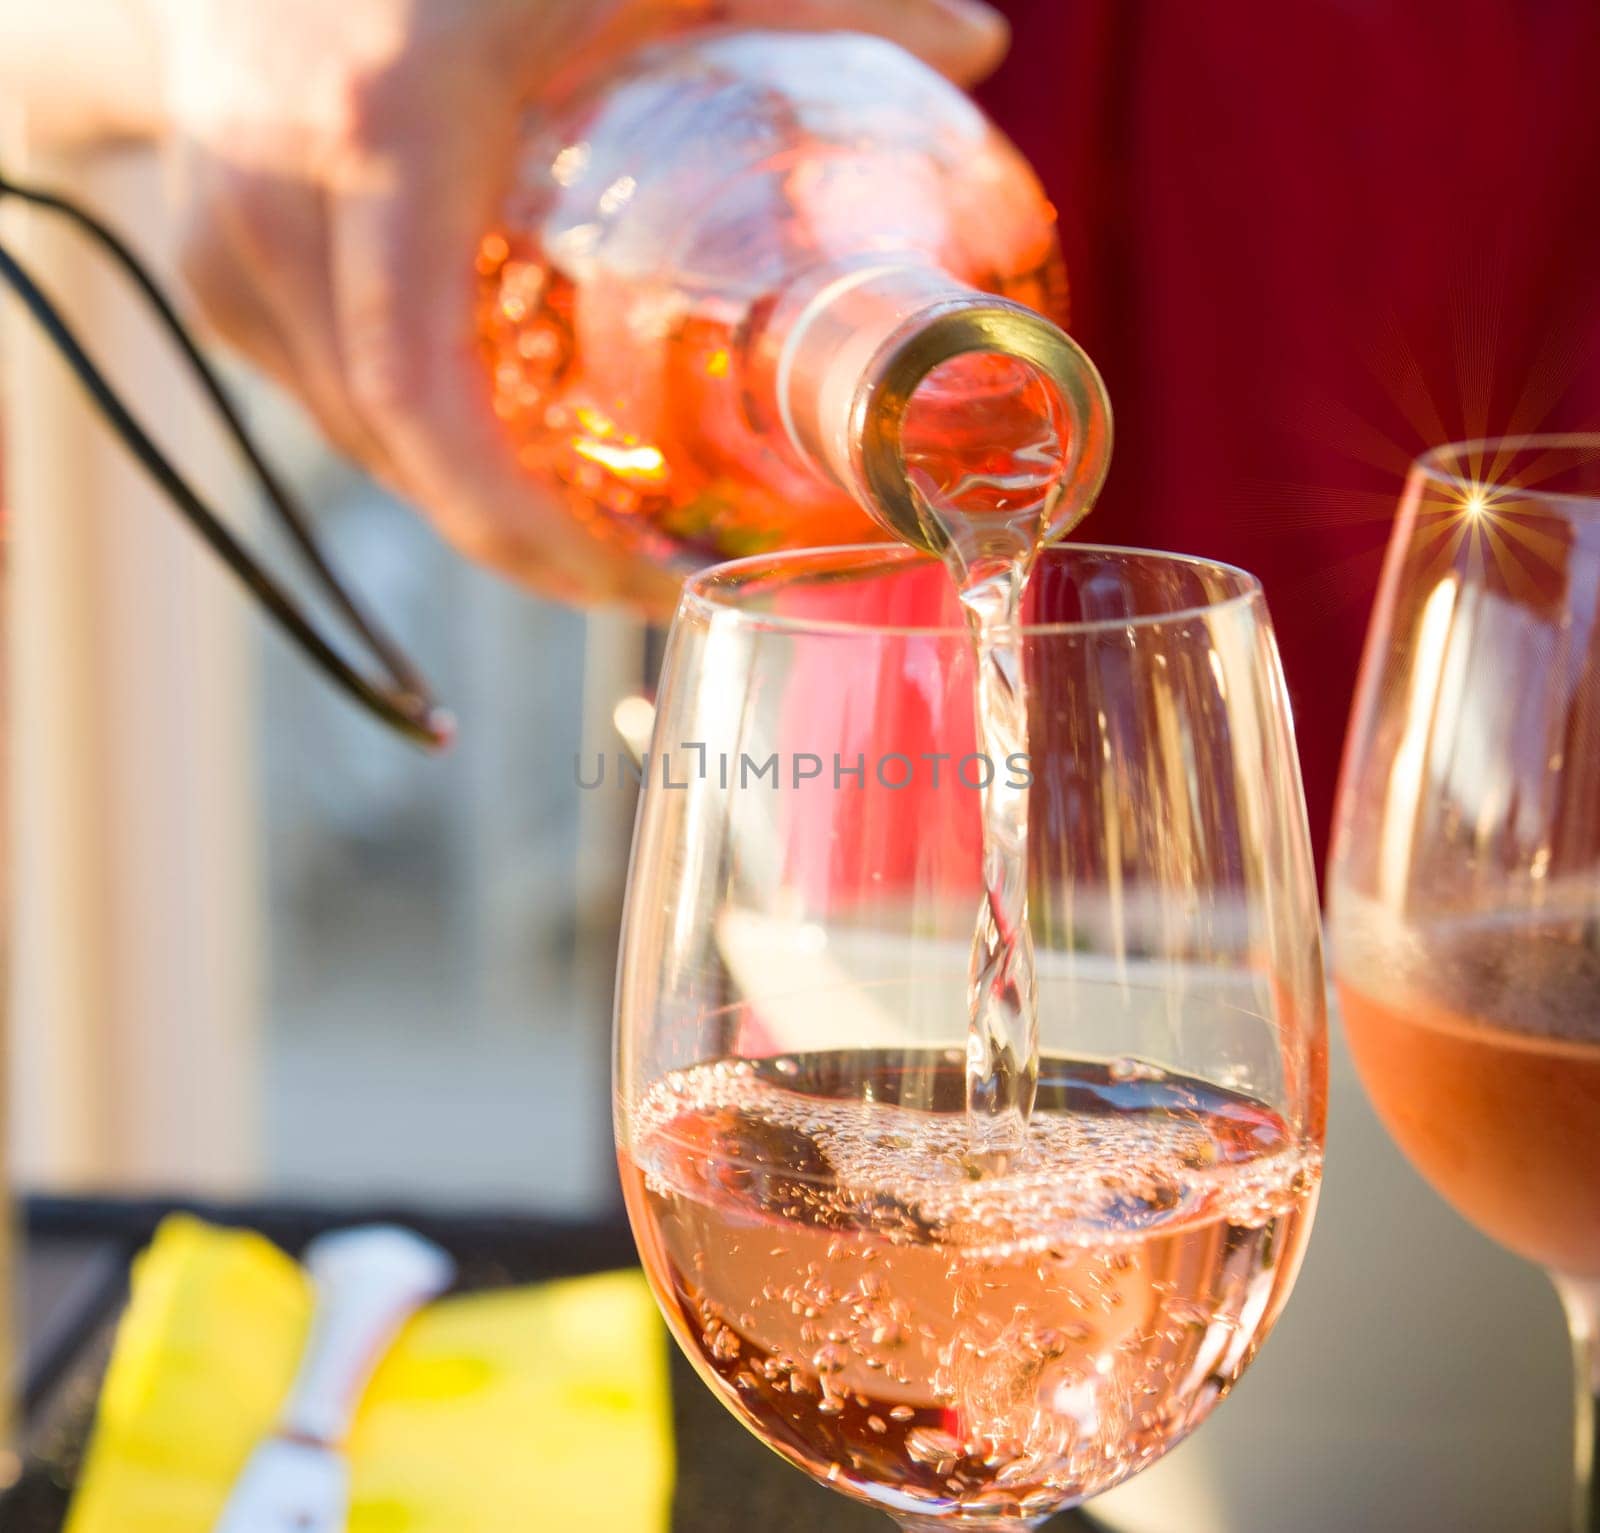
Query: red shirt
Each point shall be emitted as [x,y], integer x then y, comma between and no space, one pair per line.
[1305,241]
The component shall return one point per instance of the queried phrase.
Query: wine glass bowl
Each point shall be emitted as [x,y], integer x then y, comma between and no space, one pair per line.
[960,1342]
[1464,883]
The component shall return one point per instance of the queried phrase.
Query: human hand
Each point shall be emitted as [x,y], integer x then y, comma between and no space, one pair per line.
[339,164]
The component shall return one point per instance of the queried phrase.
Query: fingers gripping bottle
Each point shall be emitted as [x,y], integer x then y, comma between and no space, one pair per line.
[723,273]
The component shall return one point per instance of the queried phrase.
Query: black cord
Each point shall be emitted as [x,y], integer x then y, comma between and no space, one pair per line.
[407,706]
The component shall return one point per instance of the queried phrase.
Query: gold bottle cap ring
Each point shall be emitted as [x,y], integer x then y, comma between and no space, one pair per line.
[993,325]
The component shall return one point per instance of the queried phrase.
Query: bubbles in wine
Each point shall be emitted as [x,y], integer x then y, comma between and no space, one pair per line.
[1005,1343]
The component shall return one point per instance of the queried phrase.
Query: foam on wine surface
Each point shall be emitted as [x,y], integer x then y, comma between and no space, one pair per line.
[1477,1036]
[984,453]
[1533,970]
[1002,1345]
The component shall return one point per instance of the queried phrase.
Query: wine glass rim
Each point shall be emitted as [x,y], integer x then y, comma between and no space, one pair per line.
[715,590]
[1469,467]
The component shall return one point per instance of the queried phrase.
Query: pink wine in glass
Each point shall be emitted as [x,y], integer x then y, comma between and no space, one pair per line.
[938,1339]
[1478,1039]
[701,261]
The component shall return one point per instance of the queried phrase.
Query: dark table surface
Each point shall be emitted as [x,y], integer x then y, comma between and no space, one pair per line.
[75,1268]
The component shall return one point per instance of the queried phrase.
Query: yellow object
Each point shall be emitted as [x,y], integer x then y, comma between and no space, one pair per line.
[526,1408]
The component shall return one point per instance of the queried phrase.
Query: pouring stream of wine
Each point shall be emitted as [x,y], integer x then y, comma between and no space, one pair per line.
[1003,1037]
[995,507]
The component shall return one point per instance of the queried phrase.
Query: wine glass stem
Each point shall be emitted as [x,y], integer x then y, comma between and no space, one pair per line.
[1582,1301]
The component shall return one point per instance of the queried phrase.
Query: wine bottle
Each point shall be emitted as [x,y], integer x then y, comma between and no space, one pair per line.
[728,275]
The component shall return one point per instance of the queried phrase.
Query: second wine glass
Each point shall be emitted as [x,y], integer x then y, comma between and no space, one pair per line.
[959,1343]
[1464,887]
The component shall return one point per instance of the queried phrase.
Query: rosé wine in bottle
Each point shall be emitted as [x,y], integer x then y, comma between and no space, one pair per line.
[990,1348]
[726,274]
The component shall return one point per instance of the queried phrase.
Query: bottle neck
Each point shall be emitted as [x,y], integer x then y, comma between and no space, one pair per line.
[847,349]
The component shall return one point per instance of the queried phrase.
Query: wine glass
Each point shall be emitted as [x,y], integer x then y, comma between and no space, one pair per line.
[961,1343]
[1464,886]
